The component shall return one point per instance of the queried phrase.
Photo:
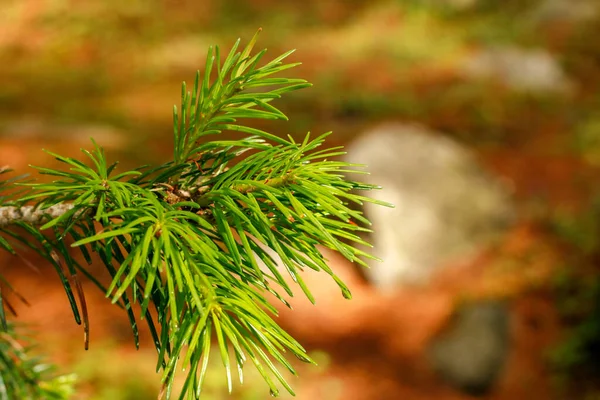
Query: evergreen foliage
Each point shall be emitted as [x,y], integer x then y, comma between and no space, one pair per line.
[23,376]
[191,241]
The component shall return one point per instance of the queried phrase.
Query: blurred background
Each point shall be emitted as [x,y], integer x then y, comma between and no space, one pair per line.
[481,119]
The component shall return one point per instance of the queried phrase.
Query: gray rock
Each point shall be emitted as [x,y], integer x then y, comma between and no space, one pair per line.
[529,70]
[470,355]
[446,206]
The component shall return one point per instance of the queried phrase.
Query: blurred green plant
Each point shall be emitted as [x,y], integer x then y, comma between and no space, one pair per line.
[587,140]
[182,239]
[25,376]
[575,359]
[117,382]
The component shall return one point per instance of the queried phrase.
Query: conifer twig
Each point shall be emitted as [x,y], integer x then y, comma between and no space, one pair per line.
[185,240]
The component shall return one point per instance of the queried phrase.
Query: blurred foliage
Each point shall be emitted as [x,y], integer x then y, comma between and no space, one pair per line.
[26,376]
[124,380]
[128,377]
[576,359]
[101,58]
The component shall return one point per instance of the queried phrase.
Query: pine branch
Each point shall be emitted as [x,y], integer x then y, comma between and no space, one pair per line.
[185,239]
[36,216]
